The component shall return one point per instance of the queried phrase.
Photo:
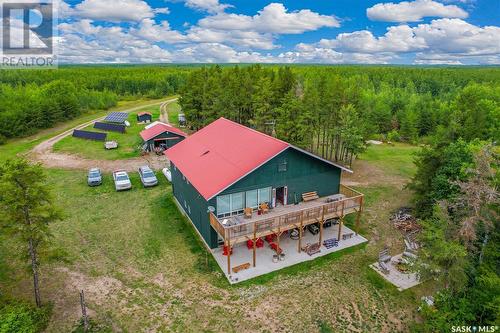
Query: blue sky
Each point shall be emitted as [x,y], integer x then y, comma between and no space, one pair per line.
[314,31]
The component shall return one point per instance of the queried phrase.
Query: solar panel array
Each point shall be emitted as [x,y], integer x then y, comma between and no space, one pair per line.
[110,127]
[89,135]
[116,117]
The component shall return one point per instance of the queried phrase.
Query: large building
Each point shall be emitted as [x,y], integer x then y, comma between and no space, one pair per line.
[225,168]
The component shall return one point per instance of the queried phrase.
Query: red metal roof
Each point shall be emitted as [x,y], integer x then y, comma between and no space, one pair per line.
[158,129]
[221,153]
[143,113]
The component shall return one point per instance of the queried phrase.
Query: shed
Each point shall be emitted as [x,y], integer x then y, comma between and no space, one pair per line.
[161,135]
[145,117]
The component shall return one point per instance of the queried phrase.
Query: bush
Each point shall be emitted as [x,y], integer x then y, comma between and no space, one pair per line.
[20,317]
[393,136]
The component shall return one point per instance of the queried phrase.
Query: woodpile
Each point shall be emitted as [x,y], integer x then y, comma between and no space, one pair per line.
[404,221]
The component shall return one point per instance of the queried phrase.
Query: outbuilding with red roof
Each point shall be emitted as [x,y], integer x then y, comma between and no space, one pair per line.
[230,169]
[161,135]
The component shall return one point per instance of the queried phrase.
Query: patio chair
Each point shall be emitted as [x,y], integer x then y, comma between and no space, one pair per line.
[384,256]
[383,267]
[248,212]
[264,207]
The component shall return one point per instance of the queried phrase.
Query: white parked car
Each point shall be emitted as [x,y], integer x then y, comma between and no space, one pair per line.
[167,173]
[122,181]
[148,177]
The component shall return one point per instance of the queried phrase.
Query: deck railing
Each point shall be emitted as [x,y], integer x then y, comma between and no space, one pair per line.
[296,217]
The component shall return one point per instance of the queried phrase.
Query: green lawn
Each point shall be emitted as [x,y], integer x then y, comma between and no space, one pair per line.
[128,143]
[173,110]
[396,159]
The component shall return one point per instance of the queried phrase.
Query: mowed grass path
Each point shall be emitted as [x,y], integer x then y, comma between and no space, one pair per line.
[128,142]
[143,268]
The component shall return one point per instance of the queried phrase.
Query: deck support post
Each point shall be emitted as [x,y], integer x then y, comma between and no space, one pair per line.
[358,215]
[321,225]
[341,221]
[254,244]
[228,256]
[300,230]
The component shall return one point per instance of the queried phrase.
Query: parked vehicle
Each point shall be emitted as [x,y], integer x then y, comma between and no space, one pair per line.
[121,179]
[94,177]
[167,173]
[111,144]
[148,177]
[313,228]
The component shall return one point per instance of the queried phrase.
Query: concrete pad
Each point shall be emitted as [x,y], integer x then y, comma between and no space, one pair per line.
[401,280]
[264,263]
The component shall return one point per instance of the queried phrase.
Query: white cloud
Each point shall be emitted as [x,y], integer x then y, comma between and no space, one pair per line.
[149,30]
[453,36]
[413,11]
[211,6]
[218,53]
[459,37]
[274,18]
[116,10]
[242,39]
[397,39]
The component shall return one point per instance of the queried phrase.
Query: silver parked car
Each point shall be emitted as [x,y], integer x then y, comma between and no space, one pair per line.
[94,178]
[121,179]
[148,177]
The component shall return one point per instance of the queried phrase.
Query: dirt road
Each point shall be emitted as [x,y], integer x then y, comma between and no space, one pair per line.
[44,153]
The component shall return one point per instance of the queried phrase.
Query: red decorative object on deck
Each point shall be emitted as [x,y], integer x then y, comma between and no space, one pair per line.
[259,243]
[275,247]
[226,250]
[270,238]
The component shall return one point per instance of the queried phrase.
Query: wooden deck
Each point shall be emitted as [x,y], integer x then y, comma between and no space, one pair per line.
[238,229]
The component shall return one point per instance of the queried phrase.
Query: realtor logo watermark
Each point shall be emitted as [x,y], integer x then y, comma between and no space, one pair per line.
[28,31]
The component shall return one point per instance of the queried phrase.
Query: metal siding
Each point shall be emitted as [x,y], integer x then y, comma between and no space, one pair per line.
[198,204]
[304,174]
[167,135]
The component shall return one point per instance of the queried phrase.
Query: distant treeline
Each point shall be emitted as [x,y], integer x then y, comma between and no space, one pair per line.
[332,110]
[37,99]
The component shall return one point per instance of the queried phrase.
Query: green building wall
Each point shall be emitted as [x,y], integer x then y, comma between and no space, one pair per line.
[304,173]
[170,143]
[194,206]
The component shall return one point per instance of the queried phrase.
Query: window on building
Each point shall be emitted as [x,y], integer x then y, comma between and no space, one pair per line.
[223,205]
[264,194]
[234,203]
[282,166]
[252,199]
[237,203]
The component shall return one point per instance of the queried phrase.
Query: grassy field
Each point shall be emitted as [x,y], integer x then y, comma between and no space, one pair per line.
[144,269]
[23,145]
[173,110]
[128,143]
[395,159]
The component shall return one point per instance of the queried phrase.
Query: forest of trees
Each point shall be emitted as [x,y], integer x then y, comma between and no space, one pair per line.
[37,99]
[331,111]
